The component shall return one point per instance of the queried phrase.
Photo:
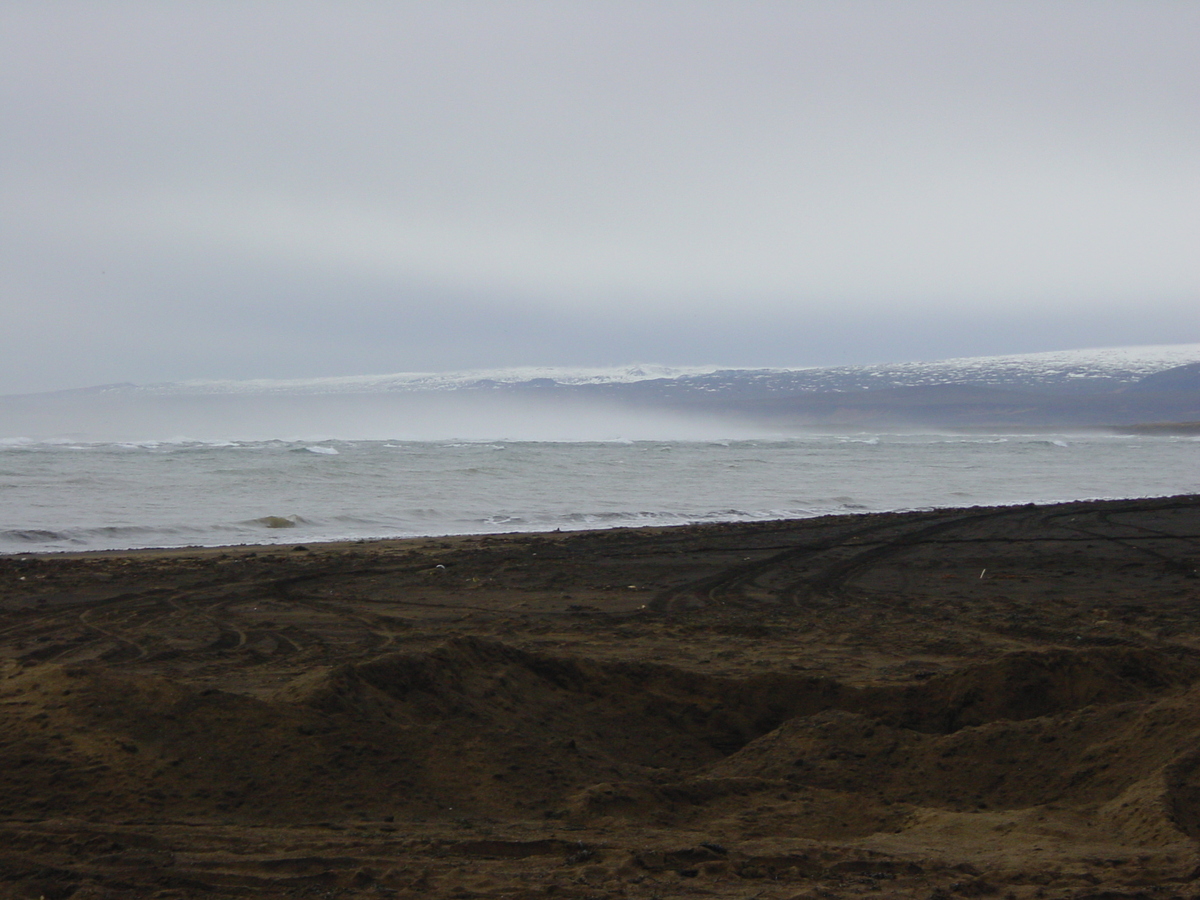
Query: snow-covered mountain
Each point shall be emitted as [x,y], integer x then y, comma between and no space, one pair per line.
[1104,388]
[1091,370]
[1069,370]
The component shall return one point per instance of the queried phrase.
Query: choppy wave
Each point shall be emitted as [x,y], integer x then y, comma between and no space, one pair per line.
[295,529]
[60,495]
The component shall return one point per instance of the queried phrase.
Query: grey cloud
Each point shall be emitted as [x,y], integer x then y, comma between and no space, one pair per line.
[272,188]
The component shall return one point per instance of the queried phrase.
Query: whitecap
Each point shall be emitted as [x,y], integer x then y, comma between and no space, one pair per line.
[276,521]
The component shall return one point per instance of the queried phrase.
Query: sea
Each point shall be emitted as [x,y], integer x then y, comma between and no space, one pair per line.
[72,496]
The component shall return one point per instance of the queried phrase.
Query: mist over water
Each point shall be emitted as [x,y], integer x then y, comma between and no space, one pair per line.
[115,416]
[74,495]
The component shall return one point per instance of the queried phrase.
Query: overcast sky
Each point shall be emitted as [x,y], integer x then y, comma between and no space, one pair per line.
[238,190]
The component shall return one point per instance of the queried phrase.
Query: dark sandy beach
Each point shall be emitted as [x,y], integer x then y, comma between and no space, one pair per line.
[975,702]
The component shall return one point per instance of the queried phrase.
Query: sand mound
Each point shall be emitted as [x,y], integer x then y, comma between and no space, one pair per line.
[479,727]
[133,745]
[1032,684]
[473,726]
[652,715]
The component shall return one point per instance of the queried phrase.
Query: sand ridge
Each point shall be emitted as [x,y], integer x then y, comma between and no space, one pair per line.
[945,703]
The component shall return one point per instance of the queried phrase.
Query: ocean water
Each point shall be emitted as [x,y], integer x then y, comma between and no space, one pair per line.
[57,496]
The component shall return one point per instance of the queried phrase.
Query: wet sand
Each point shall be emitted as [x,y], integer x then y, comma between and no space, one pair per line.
[967,702]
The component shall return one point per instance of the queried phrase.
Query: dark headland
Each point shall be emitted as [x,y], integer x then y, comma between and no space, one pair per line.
[955,703]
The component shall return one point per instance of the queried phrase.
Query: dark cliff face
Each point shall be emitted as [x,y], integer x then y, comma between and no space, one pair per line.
[1180,378]
[970,407]
[984,408]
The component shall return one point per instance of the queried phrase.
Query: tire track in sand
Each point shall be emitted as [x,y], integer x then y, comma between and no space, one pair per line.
[724,587]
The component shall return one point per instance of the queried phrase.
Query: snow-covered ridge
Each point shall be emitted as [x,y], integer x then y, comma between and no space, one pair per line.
[1070,370]
[1090,369]
[1105,362]
[431,381]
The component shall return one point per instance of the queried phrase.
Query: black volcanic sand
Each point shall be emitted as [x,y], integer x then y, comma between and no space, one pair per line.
[966,702]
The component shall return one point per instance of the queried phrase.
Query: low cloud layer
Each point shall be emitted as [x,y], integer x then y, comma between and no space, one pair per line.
[289,190]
